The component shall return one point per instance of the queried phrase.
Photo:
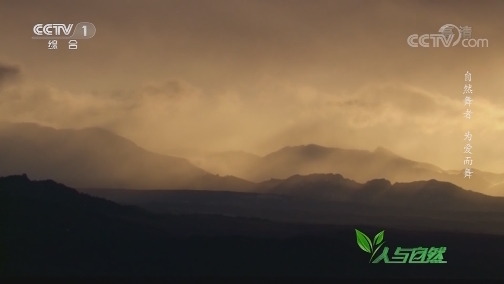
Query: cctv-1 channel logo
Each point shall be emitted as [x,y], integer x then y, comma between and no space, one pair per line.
[83,30]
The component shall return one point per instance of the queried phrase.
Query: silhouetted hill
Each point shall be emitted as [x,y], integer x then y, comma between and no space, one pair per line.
[53,208]
[359,165]
[50,191]
[94,157]
[216,182]
[331,198]
[48,204]
[316,186]
[49,229]
[430,194]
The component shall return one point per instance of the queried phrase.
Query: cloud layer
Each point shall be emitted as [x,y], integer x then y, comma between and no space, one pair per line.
[174,114]
[260,75]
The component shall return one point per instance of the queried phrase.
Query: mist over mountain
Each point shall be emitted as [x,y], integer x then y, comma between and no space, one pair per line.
[358,165]
[97,158]
[236,163]
[94,157]
[496,190]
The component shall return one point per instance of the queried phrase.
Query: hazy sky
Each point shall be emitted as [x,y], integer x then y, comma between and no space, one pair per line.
[259,75]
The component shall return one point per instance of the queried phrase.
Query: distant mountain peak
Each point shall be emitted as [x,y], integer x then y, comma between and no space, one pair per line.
[309,151]
[381,183]
[16,178]
[385,151]
[91,157]
[233,153]
[307,146]
[314,146]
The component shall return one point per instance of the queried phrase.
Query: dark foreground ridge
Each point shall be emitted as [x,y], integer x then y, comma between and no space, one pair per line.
[50,229]
[332,199]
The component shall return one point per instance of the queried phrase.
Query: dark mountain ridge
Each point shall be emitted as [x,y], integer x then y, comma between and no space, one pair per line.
[432,193]
[49,229]
[49,191]
[333,199]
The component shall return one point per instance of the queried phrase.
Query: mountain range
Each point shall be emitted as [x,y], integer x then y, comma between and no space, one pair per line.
[333,199]
[358,165]
[436,195]
[97,158]
[49,229]
[94,157]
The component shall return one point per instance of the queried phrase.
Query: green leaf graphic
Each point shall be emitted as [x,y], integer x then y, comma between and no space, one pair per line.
[377,248]
[378,238]
[363,241]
